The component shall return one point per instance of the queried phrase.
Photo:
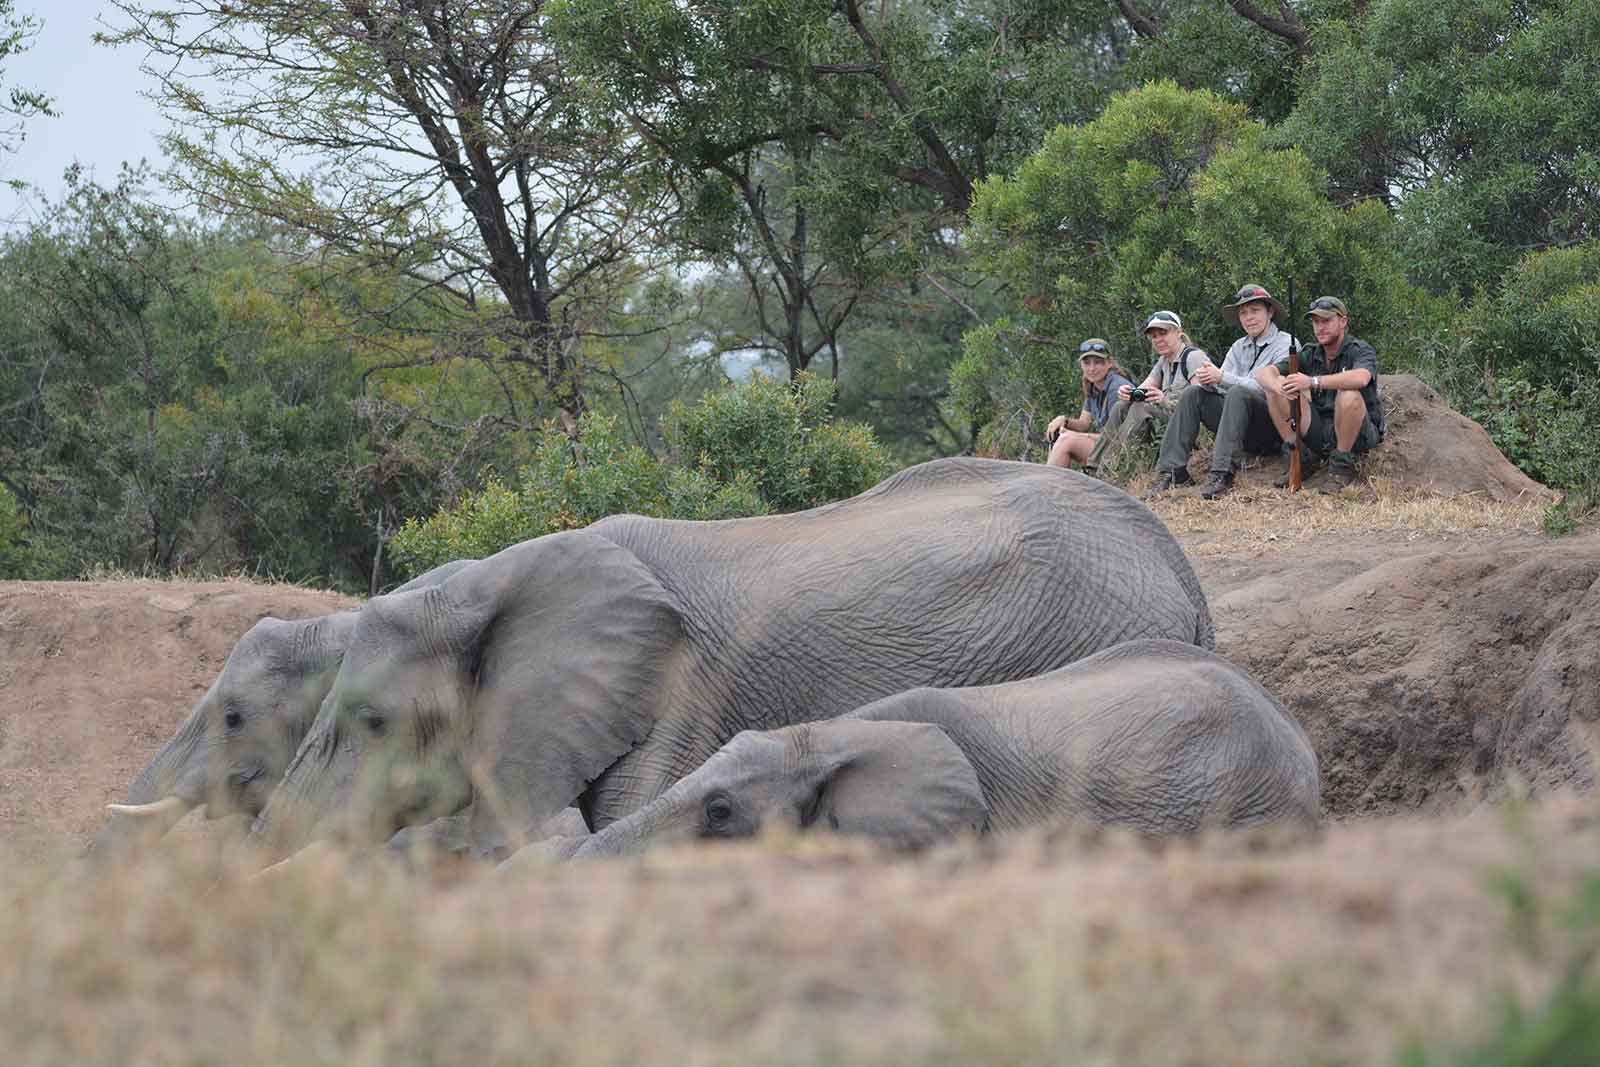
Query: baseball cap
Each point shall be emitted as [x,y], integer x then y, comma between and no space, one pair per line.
[1326,307]
[1094,346]
[1162,320]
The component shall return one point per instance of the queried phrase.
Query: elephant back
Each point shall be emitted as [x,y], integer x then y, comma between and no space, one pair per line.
[957,572]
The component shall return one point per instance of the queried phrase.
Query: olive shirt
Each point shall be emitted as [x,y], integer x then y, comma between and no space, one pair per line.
[1354,354]
[1247,355]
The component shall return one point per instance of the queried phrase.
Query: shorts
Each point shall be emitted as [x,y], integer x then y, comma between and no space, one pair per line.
[1319,436]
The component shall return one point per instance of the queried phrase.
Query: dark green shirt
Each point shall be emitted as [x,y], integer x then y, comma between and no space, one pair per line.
[1354,354]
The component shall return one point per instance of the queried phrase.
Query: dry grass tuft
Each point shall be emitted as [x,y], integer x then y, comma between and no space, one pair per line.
[1261,517]
[1054,946]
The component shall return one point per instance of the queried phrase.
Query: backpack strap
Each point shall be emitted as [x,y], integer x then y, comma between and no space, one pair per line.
[1183,360]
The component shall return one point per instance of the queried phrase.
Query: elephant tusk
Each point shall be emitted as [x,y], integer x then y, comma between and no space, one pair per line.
[170,805]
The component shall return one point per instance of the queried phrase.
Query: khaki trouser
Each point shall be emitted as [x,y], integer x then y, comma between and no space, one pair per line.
[1127,422]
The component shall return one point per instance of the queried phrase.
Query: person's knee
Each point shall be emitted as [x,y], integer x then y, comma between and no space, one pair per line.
[1348,402]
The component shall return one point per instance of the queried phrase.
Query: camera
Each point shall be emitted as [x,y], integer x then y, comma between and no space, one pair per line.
[1136,394]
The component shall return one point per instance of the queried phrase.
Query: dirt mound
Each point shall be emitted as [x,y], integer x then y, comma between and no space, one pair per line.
[96,677]
[1425,673]
[1428,446]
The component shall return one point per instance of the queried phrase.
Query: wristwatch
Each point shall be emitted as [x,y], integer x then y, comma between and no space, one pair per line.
[1316,382]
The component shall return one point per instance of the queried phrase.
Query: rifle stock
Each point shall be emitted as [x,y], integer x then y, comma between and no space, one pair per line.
[1294,402]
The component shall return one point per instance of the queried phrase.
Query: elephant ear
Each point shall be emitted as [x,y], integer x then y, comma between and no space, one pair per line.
[903,783]
[573,639]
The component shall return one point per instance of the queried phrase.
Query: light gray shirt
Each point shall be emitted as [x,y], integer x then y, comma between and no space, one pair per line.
[1247,355]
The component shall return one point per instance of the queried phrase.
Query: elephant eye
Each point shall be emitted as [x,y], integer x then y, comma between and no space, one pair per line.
[374,722]
[232,719]
[719,809]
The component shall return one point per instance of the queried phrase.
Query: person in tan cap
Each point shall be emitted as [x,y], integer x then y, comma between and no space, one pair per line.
[1228,400]
[1336,389]
[1143,410]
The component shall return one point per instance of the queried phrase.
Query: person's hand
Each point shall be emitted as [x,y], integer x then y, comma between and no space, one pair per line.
[1208,373]
[1154,396]
[1053,431]
[1293,385]
[1123,391]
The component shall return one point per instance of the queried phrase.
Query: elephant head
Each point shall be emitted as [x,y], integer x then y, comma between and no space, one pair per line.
[231,751]
[233,748]
[509,686]
[902,783]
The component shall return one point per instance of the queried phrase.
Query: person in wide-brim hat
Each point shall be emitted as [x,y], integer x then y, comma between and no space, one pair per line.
[1249,294]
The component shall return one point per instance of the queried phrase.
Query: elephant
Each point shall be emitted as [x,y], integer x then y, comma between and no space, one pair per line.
[232,749]
[1153,735]
[600,665]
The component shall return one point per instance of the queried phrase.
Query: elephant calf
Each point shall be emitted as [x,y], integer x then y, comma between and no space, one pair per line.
[1159,736]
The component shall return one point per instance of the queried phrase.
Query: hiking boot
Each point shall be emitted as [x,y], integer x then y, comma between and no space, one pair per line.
[1169,480]
[1309,462]
[1221,482]
[1341,473]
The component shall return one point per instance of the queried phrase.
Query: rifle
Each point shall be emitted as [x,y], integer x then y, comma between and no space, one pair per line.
[1294,401]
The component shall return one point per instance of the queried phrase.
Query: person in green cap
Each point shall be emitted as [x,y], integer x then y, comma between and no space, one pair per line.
[1341,413]
[1072,438]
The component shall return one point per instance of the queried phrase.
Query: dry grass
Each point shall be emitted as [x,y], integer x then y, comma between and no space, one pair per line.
[1059,946]
[1259,517]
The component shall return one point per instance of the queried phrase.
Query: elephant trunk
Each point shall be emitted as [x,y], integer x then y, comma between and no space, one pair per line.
[669,818]
[314,800]
[172,784]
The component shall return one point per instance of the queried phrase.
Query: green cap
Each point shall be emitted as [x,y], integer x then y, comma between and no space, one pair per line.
[1326,307]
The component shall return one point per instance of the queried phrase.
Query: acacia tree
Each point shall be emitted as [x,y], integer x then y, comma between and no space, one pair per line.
[20,103]
[443,138]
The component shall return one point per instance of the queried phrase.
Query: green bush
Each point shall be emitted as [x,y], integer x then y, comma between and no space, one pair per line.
[784,436]
[14,548]
[758,448]
[1542,319]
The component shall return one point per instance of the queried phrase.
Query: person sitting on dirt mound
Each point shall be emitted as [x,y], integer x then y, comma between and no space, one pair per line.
[1341,413]
[1074,438]
[1228,400]
[1143,411]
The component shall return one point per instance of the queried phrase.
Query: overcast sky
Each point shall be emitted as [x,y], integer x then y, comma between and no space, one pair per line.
[104,119]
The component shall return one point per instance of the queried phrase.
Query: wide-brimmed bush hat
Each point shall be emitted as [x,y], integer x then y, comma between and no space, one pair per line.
[1249,294]
[1162,320]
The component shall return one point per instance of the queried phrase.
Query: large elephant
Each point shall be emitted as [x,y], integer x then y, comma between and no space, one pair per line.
[606,663]
[231,751]
[1158,736]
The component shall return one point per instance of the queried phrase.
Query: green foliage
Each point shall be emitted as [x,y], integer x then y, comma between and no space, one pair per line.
[760,447]
[1548,431]
[18,556]
[1542,318]
[784,437]
[1477,117]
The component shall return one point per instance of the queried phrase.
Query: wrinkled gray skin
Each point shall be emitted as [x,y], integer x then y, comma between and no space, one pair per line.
[604,664]
[1157,736]
[231,751]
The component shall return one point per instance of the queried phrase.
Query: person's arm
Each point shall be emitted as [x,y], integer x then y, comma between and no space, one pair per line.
[1357,377]
[1275,378]
[1235,366]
